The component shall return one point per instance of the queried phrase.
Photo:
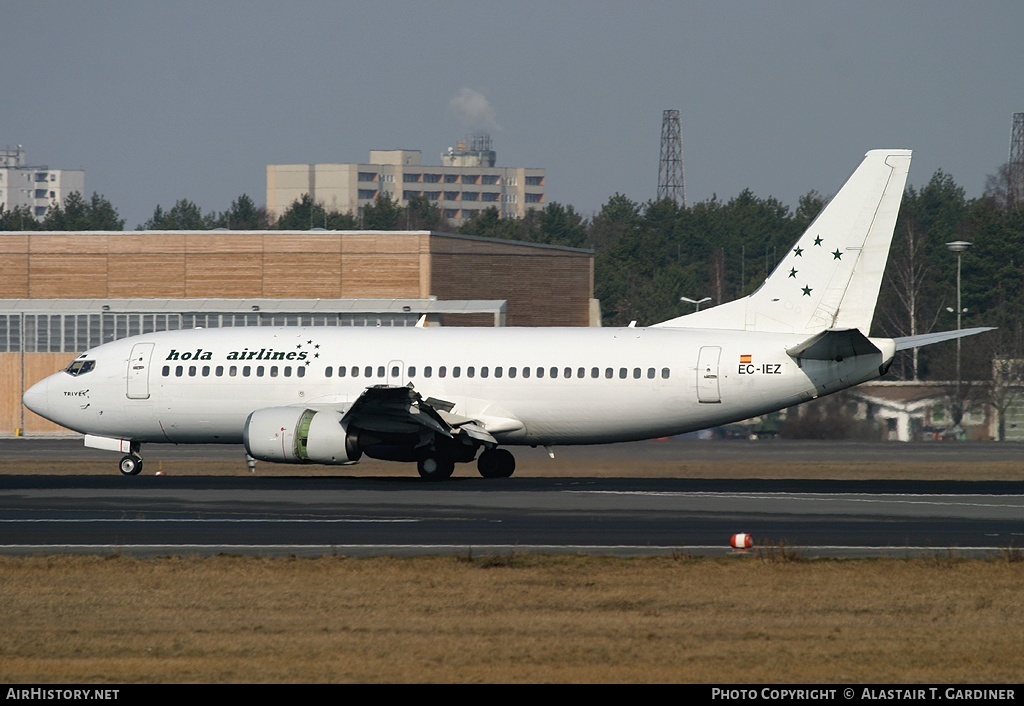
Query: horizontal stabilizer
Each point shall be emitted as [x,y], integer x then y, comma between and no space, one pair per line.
[834,344]
[926,339]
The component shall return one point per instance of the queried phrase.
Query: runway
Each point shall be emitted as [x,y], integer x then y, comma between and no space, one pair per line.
[310,516]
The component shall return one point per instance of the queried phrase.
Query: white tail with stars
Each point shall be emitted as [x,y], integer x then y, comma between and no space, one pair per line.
[830,278]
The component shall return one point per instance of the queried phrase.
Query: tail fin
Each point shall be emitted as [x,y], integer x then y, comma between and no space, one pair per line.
[831,277]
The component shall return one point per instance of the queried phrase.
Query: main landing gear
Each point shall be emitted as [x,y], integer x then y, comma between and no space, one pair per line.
[493,463]
[435,467]
[496,463]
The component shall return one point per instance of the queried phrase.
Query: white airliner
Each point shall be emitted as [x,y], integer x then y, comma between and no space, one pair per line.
[441,396]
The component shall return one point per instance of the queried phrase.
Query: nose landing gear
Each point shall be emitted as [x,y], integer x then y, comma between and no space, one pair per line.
[131,465]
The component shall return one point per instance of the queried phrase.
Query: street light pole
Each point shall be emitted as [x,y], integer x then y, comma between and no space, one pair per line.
[695,302]
[959,247]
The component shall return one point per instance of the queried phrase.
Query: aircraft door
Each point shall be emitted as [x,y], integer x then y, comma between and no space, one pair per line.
[138,371]
[396,373]
[707,374]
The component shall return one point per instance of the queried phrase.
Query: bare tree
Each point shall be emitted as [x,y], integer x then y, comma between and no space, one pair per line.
[908,276]
[1007,389]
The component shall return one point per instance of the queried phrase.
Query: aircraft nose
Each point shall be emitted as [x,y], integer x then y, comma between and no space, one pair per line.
[36,397]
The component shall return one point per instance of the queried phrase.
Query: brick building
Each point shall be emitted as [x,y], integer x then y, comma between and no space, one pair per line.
[64,292]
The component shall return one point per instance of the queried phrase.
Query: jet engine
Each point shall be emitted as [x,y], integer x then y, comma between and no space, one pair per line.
[298,435]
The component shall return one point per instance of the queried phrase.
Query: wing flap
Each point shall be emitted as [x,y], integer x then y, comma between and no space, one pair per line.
[478,433]
[388,409]
[383,408]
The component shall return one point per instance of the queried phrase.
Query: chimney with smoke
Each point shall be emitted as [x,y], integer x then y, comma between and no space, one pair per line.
[477,116]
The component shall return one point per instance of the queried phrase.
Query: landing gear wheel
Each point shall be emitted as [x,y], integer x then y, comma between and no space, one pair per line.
[496,463]
[130,465]
[435,467]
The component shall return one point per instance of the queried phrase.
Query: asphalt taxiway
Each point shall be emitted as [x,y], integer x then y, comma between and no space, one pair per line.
[399,514]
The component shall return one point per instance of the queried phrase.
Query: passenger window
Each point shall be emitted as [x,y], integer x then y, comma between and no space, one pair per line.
[259,371]
[456,372]
[553,372]
[650,373]
[273,371]
[191,371]
[167,370]
[609,373]
[664,373]
[178,371]
[512,372]
[412,371]
[595,372]
[498,371]
[287,371]
[342,370]
[380,371]
[442,371]
[206,371]
[540,372]
[246,371]
[484,371]
[328,372]
[394,371]
[636,373]
[526,372]
[428,371]
[581,372]
[368,371]
[622,373]
[355,371]
[220,371]
[300,372]
[233,370]
[471,372]
[568,373]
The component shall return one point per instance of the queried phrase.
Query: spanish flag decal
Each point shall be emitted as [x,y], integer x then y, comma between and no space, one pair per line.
[745,358]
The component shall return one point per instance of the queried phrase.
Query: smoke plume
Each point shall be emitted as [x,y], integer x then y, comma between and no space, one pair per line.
[474,111]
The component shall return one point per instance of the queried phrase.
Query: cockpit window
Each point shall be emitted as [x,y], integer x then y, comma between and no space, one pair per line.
[80,367]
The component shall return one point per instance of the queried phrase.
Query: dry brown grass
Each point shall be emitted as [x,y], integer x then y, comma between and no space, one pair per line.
[767,617]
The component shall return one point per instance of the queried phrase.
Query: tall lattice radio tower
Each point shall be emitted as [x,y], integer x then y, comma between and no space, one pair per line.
[1016,161]
[671,184]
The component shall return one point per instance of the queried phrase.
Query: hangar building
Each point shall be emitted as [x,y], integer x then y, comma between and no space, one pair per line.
[64,292]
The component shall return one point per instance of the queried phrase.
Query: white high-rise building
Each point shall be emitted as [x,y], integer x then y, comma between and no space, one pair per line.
[465,183]
[37,187]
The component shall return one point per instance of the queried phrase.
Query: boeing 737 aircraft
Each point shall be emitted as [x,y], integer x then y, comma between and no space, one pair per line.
[441,396]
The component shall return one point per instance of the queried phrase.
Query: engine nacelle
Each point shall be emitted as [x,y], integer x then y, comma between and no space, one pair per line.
[298,435]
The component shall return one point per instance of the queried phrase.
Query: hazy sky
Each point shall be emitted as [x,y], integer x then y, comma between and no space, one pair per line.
[160,101]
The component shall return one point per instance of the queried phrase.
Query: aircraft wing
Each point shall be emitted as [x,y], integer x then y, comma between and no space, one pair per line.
[394,409]
[401,409]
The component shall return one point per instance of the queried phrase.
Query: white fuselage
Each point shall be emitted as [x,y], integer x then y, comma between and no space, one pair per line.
[550,386]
